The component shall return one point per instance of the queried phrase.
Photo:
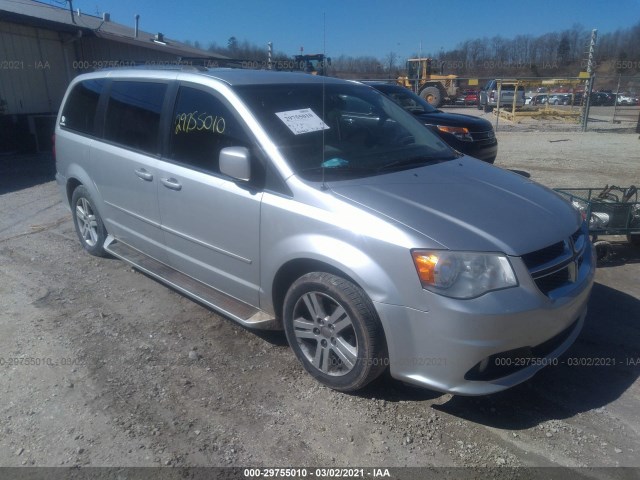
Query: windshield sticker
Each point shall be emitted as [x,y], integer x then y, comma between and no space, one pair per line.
[302,121]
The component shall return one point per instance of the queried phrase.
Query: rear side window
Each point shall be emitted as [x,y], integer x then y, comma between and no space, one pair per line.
[133,114]
[79,112]
[202,126]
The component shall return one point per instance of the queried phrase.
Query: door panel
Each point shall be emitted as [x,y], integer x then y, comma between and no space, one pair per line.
[128,183]
[212,229]
[211,224]
[128,165]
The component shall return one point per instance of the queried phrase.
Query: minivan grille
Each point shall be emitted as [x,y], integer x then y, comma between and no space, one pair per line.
[558,264]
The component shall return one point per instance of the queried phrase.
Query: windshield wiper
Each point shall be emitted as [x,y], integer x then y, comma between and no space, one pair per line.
[339,168]
[411,162]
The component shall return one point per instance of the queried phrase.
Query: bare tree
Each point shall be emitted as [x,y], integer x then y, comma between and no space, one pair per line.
[390,62]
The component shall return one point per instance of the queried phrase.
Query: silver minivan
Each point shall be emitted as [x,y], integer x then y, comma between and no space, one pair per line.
[319,206]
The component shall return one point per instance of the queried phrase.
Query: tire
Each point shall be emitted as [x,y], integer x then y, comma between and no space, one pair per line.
[334,331]
[634,239]
[488,108]
[432,95]
[89,226]
[603,251]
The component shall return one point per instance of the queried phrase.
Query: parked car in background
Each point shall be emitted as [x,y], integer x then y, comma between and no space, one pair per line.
[602,99]
[539,99]
[627,100]
[467,97]
[560,99]
[470,97]
[611,99]
[471,135]
[488,96]
[578,98]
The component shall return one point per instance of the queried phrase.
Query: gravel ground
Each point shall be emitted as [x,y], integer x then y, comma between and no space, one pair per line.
[601,119]
[115,369]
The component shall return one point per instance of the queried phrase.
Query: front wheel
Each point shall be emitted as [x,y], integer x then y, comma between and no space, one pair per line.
[334,331]
[432,95]
[89,226]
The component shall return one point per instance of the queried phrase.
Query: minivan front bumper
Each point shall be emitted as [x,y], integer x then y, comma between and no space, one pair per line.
[484,345]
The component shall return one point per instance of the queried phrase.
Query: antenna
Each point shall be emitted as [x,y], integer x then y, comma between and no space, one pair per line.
[324,56]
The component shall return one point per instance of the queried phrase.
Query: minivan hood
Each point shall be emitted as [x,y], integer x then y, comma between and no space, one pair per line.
[466,204]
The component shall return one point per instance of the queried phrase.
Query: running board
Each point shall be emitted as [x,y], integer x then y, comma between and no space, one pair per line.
[233,308]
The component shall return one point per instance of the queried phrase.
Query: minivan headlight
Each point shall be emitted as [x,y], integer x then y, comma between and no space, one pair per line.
[463,274]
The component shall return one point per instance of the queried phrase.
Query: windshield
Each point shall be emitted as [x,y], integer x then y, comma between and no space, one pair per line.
[339,131]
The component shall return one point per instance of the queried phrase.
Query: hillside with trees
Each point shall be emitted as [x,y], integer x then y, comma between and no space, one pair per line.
[555,54]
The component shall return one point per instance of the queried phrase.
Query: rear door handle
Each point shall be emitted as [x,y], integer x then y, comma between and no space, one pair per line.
[171,183]
[144,175]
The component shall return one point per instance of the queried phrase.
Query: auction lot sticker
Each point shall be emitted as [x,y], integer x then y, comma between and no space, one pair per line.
[302,121]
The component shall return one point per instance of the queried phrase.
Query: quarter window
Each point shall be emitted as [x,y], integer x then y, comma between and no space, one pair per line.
[80,110]
[133,114]
[202,126]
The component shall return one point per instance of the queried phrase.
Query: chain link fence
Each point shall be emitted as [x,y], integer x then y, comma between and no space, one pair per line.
[555,104]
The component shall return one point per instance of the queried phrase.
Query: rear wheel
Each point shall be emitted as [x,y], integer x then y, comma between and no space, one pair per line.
[89,226]
[334,331]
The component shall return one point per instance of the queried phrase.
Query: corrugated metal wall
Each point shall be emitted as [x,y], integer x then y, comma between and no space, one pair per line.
[36,64]
[33,69]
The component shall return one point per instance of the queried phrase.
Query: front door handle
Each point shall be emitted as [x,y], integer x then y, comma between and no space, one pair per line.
[171,183]
[144,175]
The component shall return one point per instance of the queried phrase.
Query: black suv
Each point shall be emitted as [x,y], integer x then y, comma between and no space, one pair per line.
[470,135]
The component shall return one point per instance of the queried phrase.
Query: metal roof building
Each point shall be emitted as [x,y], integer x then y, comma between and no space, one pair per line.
[42,47]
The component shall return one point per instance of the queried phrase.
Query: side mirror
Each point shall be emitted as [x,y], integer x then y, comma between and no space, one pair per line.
[236,163]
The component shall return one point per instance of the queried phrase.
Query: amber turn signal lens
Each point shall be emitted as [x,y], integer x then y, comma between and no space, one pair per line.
[426,266]
[454,130]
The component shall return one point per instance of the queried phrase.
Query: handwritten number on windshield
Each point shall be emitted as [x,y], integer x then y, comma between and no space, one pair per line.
[197,122]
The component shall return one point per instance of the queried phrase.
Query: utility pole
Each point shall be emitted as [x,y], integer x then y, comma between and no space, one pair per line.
[589,83]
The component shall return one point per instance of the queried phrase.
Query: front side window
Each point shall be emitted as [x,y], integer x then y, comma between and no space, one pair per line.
[133,114]
[202,126]
[341,130]
[80,109]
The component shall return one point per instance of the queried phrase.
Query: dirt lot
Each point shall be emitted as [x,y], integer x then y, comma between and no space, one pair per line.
[102,366]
